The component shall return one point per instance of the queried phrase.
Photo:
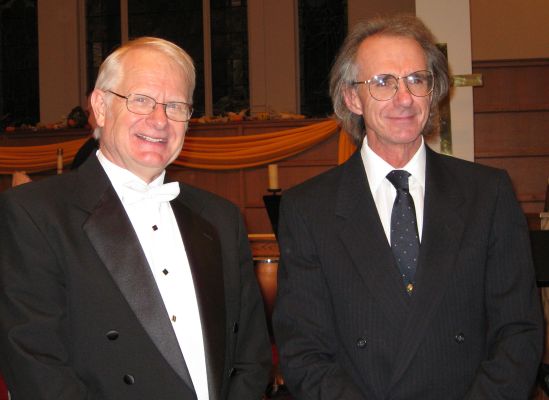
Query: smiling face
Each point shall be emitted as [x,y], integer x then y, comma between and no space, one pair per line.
[142,144]
[393,127]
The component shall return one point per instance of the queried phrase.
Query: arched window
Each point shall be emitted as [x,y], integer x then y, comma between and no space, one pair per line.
[222,74]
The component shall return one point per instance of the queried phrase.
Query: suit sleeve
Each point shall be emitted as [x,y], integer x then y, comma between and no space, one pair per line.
[303,317]
[252,354]
[514,323]
[33,337]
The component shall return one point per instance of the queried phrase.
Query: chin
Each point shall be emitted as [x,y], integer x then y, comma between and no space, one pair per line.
[151,165]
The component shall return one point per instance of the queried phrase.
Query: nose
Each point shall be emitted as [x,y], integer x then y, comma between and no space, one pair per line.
[158,117]
[403,95]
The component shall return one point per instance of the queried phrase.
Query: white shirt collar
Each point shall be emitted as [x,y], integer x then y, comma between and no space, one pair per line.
[377,168]
[121,177]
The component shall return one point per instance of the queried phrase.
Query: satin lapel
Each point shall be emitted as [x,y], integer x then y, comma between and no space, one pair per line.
[361,232]
[113,238]
[205,259]
[443,227]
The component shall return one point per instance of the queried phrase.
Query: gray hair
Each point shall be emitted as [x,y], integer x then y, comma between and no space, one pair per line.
[345,69]
[110,72]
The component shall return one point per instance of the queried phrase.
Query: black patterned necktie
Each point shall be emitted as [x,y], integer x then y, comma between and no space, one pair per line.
[404,232]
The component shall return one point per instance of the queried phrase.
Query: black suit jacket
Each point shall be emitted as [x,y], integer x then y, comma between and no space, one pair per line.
[345,327]
[81,316]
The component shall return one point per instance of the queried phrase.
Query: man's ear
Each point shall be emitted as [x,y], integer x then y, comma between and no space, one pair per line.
[99,106]
[352,100]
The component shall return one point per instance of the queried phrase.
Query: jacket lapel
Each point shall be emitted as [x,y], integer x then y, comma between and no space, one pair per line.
[443,225]
[115,241]
[203,250]
[362,233]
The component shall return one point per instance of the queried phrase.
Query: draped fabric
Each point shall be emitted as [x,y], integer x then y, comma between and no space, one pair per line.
[210,153]
[345,147]
[36,158]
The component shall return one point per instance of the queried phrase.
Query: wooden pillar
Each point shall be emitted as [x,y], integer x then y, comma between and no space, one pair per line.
[58,58]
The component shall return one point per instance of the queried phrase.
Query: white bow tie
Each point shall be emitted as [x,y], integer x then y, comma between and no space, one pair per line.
[134,192]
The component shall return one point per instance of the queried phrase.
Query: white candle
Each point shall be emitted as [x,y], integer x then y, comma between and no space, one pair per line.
[59,161]
[273,176]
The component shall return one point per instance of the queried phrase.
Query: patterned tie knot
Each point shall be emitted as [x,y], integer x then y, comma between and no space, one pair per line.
[399,179]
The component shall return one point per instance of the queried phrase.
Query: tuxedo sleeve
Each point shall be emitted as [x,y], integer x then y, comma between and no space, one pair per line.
[514,320]
[303,320]
[252,354]
[33,336]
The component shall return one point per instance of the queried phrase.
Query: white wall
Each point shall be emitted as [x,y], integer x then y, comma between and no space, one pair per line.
[450,22]
[59,58]
[510,29]
[273,57]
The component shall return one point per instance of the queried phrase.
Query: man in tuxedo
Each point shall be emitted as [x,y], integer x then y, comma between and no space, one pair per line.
[114,285]
[405,274]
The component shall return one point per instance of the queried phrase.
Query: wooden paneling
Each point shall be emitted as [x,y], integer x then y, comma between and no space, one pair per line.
[529,176]
[518,85]
[257,220]
[512,126]
[224,183]
[511,133]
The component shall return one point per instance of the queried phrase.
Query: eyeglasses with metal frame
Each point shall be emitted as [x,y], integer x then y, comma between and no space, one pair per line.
[384,87]
[144,105]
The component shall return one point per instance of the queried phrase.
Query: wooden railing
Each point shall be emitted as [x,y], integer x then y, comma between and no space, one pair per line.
[511,116]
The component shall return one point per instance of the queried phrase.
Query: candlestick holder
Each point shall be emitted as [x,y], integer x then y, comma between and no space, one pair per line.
[272,205]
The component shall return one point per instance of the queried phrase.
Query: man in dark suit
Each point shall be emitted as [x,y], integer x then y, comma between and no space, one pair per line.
[447,307]
[116,286]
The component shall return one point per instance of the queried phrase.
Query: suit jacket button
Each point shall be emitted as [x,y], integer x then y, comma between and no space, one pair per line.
[129,379]
[235,327]
[361,343]
[112,335]
[459,338]
[232,371]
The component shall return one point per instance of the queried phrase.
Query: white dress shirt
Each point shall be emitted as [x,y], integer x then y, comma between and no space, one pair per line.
[158,233]
[384,192]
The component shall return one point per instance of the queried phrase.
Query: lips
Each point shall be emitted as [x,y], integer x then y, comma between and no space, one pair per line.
[402,118]
[151,139]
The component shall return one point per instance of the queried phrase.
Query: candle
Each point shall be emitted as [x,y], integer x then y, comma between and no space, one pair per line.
[273,176]
[59,161]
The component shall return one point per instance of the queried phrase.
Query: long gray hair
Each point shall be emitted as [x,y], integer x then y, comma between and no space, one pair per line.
[345,69]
